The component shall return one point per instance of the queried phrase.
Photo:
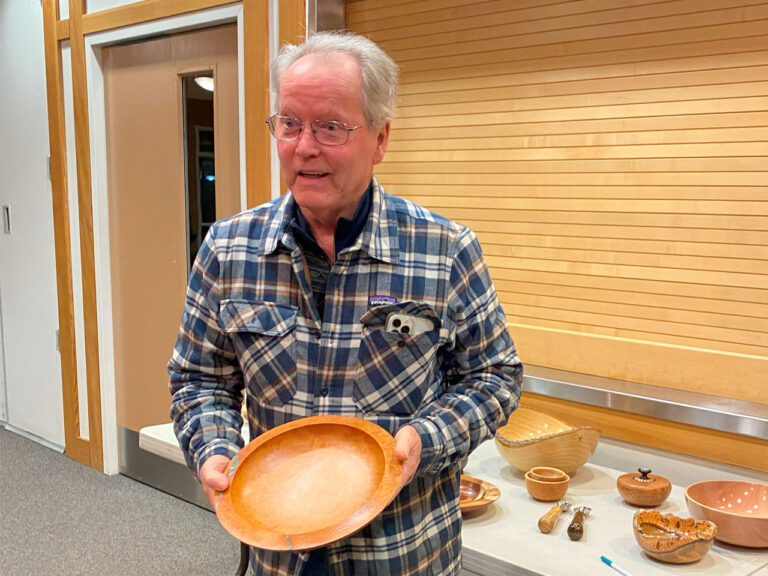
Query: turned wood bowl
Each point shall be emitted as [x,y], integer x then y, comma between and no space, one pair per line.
[549,489]
[476,494]
[532,438]
[309,482]
[546,474]
[671,539]
[739,508]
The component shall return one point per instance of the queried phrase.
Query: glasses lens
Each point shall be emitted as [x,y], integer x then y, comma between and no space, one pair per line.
[285,128]
[330,132]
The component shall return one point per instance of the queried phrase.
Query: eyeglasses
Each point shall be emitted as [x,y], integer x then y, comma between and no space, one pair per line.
[328,132]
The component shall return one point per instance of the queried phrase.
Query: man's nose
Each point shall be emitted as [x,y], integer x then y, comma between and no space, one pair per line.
[307,142]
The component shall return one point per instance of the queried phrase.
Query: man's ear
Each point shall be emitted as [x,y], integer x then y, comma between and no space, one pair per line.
[382,138]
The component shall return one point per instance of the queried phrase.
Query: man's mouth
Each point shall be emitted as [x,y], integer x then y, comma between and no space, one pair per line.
[312,174]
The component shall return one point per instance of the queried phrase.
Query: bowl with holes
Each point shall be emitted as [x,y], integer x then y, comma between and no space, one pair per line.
[739,508]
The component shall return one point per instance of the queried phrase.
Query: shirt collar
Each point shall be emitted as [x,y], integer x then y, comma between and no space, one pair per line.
[379,236]
[347,229]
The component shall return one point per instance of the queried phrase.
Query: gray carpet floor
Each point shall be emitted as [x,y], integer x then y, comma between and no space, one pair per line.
[60,518]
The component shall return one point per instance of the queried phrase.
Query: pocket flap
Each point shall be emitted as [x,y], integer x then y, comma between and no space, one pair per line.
[265,318]
[378,316]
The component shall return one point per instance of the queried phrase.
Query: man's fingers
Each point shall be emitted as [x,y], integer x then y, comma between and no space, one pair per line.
[408,451]
[401,452]
[218,482]
[213,477]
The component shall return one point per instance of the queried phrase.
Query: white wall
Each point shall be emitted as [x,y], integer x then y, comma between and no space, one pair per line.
[27,258]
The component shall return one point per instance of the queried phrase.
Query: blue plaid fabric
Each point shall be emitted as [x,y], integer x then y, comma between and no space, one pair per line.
[250,328]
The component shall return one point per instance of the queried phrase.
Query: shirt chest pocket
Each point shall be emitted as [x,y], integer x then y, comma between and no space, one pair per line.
[263,334]
[397,371]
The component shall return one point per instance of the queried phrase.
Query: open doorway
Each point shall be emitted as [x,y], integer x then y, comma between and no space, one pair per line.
[173,168]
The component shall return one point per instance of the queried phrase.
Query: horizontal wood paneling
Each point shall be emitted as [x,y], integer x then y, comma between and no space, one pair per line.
[539,15]
[612,157]
[626,36]
[586,129]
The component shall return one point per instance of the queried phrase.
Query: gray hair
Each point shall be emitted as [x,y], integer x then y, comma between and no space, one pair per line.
[379,73]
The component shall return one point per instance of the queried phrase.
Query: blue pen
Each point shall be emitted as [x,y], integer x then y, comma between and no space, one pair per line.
[616,567]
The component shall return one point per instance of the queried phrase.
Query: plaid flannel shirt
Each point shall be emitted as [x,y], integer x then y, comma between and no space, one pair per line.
[250,325]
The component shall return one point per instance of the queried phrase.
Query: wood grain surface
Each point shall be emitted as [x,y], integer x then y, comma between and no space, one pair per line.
[310,482]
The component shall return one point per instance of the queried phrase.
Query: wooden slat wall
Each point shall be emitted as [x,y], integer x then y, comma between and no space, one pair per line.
[611,156]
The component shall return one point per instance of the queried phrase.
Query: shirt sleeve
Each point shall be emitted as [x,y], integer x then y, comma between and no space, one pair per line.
[206,383]
[482,370]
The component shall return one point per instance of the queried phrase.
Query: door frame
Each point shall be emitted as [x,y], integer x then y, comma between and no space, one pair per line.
[94,44]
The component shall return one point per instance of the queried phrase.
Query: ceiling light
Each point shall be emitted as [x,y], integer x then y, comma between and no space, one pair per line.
[205,82]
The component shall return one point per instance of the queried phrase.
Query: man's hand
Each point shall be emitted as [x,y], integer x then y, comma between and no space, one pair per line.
[213,477]
[408,451]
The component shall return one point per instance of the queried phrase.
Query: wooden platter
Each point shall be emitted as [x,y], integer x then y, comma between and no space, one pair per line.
[476,494]
[309,482]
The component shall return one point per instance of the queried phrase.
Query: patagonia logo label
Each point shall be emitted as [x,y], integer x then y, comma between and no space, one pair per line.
[379,300]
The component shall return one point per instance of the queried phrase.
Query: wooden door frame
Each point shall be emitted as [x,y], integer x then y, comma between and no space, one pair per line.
[87,34]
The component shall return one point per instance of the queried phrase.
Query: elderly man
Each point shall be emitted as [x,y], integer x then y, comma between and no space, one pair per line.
[290,302]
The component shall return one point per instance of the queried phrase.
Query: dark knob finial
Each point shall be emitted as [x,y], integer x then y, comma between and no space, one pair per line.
[644,475]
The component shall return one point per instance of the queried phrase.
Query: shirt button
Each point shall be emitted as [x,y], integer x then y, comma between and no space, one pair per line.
[400,343]
[324,391]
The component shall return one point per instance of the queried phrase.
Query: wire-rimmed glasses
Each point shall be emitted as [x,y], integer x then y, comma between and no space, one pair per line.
[328,132]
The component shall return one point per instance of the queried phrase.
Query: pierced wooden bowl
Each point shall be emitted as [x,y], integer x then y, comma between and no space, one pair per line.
[739,508]
[671,539]
[309,482]
[532,438]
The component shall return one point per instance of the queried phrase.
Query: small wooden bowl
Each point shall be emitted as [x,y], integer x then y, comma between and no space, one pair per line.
[546,490]
[547,474]
[532,438]
[309,482]
[671,539]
